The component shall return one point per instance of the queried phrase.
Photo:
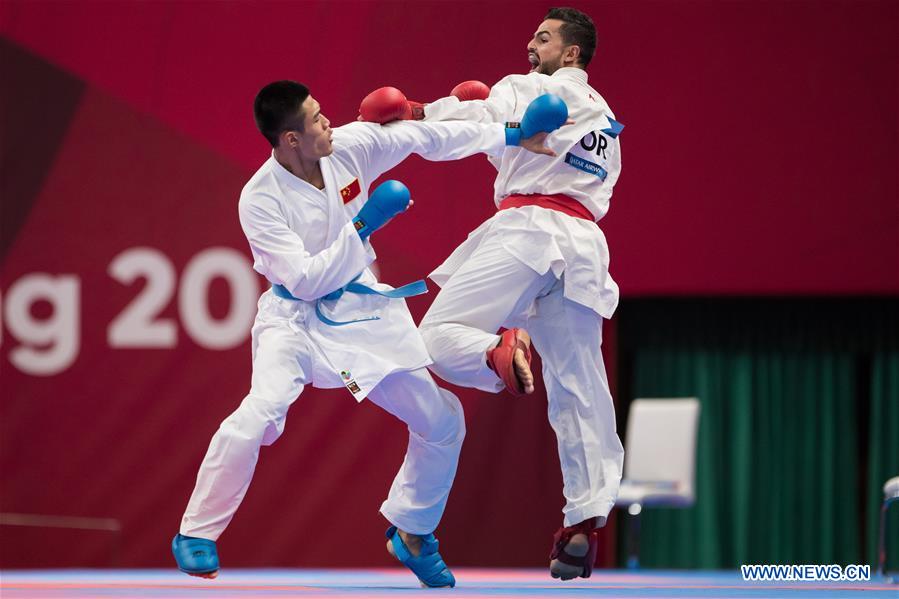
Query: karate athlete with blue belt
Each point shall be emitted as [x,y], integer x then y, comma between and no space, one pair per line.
[540,267]
[328,322]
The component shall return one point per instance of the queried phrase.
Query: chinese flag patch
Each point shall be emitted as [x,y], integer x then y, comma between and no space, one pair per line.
[349,193]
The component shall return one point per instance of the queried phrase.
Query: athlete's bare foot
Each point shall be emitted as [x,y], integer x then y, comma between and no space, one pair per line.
[520,363]
[578,546]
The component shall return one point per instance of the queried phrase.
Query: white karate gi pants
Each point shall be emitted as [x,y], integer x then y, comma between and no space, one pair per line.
[281,369]
[493,289]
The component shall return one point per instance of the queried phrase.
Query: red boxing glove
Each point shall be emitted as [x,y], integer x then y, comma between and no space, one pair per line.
[387,104]
[471,90]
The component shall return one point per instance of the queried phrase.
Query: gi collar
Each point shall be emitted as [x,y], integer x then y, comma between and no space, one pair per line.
[291,180]
[571,73]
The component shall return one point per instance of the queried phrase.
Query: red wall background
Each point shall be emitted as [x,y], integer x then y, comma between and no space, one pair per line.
[760,158]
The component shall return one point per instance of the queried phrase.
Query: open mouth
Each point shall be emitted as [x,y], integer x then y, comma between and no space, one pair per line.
[532,58]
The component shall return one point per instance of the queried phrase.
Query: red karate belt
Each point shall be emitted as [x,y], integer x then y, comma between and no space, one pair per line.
[558,202]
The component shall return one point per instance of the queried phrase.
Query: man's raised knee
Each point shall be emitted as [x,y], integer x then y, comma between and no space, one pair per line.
[447,427]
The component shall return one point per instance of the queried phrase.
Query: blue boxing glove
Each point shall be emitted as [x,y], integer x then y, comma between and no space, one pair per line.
[386,201]
[544,114]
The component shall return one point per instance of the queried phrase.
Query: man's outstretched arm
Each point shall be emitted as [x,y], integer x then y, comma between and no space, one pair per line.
[379,148]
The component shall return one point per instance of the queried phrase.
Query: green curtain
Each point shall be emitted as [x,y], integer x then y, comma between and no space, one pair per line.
[798,431]
[883,462]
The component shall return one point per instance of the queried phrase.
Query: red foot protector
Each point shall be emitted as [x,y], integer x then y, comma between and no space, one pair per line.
[500,359]
[564,534]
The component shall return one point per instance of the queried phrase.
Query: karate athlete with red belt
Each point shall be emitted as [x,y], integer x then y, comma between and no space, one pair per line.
[540,267]
[308,215]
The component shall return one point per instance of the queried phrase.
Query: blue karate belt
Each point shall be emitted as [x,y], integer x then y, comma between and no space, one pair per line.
[418,287]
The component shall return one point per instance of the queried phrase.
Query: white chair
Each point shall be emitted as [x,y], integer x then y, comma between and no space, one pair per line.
[659,461]
[890,496]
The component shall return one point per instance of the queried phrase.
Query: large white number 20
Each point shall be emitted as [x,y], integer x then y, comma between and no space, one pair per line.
[138,325]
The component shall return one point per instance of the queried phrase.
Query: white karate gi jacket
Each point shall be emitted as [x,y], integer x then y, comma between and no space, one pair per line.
[303,238]
[586,168]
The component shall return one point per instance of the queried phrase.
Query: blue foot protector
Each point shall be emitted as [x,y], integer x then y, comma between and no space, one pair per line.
[428,566]
[195,555]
